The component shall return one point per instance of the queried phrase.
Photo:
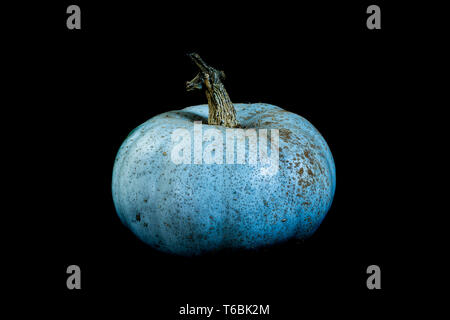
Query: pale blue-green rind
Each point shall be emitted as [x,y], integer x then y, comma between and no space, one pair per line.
[190,209]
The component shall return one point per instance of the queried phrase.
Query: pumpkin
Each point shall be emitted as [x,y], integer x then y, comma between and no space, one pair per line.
[182,189]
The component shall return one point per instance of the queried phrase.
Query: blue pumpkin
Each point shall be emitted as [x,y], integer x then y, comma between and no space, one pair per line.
[191,208]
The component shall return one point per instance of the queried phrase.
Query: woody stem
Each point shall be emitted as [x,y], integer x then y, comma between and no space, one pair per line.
[221,109]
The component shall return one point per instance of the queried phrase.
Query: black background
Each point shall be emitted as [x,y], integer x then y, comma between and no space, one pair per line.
[92,86]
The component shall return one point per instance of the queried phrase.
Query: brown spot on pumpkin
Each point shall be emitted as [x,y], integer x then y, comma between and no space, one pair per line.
[284,220]
[164,153]
[138,217]
[285,134]
[145,200]
[307,154]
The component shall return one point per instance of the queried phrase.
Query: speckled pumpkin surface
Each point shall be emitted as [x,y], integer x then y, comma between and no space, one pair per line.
[190,209]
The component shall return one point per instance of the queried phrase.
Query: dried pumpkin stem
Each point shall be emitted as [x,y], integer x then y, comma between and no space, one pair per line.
[221,110]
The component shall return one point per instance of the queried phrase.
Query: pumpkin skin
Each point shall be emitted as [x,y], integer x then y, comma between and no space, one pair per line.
[191,209]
